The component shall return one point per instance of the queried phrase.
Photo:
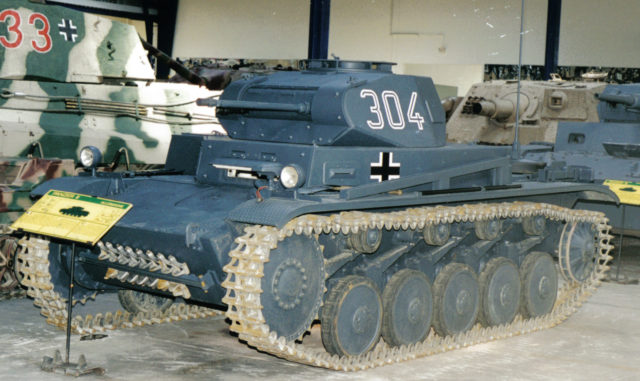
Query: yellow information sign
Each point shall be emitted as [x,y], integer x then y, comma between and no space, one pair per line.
[627,191]
[72,216]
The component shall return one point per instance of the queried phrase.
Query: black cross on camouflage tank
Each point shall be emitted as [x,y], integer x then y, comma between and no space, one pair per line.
[68,30]
[385,169]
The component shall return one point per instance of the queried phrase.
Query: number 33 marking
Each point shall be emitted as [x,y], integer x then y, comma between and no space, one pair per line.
[15,36]
[393,110]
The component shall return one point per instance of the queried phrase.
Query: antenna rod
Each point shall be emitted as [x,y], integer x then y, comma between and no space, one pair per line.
[515,149]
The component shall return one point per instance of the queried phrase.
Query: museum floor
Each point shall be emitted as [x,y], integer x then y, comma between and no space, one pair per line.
[600,341]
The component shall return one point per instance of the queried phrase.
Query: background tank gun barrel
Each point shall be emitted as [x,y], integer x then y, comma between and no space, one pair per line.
[495,109]
[179,68]
[302,108]
[628,100]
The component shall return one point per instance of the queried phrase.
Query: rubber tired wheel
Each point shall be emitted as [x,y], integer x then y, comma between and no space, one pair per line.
[539,284]
[457,299]
[351,316]
[136,302]
[366,241]
[408,308]
[499,291]
[292,286]
[577,251]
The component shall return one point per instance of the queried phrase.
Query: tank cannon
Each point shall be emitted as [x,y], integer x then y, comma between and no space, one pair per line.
[334,197]
[218,81]
[620,103]
[498,109]
[629,101]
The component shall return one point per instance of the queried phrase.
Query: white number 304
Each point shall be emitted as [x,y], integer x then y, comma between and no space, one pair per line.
[392,110]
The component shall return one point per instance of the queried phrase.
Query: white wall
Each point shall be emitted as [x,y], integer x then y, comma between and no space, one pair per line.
[437,31]
[600,33]
[449,40]
[427,37]
[460,76]
[262,29]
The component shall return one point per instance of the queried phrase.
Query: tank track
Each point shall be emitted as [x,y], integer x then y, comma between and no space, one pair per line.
[244,273]
[34,255]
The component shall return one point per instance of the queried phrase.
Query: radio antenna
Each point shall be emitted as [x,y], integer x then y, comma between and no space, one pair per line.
[515,148]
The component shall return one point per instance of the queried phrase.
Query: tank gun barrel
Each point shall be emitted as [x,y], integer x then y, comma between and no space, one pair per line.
[179,68]
[302,108]
[625,99]
[495,109]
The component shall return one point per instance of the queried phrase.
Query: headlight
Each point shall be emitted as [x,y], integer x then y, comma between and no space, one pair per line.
[291,176]
[90,157]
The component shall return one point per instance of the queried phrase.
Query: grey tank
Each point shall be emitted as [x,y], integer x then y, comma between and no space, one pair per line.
[334,199]
[600,152]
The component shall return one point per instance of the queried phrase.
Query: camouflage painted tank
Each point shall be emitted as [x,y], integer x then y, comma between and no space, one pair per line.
[69,79]
[487,114]
[334,197]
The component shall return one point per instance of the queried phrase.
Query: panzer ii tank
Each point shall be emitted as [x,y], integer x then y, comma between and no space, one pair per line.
[69,79]
[334,198]
[487,114]
[598,152]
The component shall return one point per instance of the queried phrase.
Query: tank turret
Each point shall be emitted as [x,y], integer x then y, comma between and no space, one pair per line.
[70,79]
[52,43]
[344,103]
[488,111]
[335,198]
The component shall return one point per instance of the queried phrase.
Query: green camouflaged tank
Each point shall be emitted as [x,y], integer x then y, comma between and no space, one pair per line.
[68,80]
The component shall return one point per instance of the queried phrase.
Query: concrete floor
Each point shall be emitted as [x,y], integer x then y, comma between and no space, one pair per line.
[600,341]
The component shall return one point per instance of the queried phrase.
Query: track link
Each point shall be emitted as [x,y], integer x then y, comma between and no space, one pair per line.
[16,293]
[244,272]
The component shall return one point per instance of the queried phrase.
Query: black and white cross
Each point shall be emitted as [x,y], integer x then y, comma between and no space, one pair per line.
[68,30]
[385,169]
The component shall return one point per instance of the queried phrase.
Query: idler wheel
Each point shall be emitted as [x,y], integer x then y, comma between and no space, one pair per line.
[366,241]
[577,251]
[136,302]
[437,235]
[292,286]
[408,308]
[351,316]
[539,284]
[488,229]
[457,299]
[499,292]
